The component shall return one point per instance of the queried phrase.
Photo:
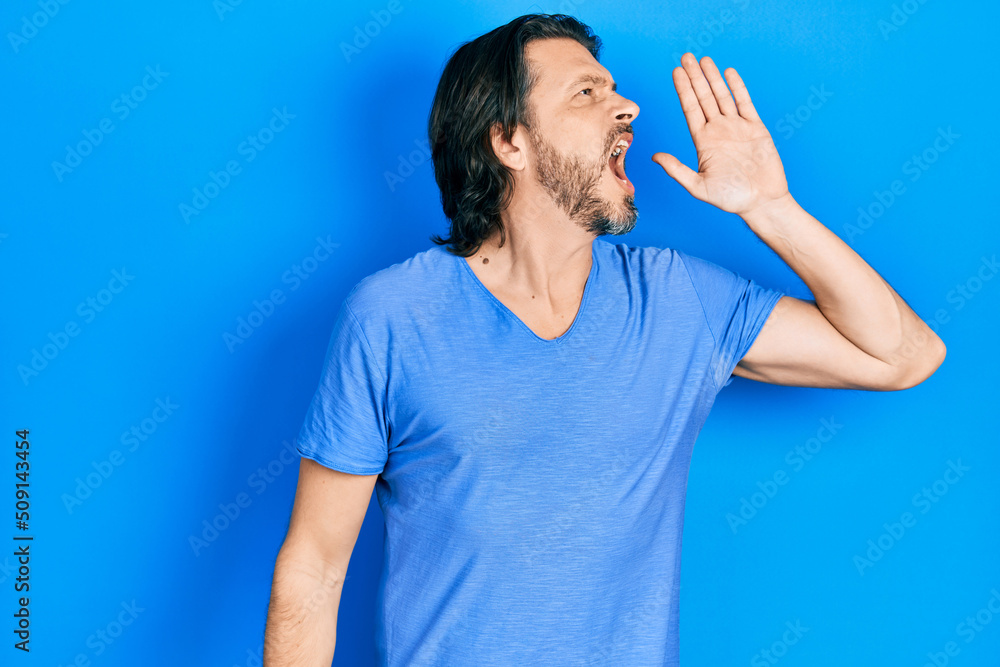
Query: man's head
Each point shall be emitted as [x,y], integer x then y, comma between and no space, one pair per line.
[527,112]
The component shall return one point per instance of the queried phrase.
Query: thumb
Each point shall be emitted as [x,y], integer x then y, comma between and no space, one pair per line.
[677,170]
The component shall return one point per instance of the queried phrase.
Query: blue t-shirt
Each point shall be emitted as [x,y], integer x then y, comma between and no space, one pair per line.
[533,490]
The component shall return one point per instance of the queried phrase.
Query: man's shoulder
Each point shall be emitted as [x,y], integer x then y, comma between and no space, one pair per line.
[383,292]
[649,263]
[641,262]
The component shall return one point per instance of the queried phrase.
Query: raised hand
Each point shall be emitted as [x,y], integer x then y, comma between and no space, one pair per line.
[738,164]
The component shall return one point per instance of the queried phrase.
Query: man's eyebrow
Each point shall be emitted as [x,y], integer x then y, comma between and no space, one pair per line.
[594,79]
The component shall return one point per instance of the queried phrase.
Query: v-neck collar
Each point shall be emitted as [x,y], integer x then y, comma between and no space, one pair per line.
[581,311]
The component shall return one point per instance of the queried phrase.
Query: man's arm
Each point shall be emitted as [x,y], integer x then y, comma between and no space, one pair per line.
[858,333]
[311,566]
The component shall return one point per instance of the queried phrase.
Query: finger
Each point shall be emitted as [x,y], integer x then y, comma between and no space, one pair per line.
[722,95]
[709,105]
[743,102]
[687,177]
[689,103]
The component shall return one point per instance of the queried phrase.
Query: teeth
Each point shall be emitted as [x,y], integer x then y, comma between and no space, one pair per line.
[618,147]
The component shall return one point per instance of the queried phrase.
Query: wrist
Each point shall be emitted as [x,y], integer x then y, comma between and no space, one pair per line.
[770,211]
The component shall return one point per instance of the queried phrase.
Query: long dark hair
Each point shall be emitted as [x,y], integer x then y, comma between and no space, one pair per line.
[485,83]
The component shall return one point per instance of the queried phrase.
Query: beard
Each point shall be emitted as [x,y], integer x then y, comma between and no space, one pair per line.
[575,186]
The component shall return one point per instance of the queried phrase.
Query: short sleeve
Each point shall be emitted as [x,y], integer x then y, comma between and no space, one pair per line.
[346,426]
[735,308]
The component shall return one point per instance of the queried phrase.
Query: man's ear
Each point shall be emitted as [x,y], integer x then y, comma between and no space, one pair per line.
[509,151]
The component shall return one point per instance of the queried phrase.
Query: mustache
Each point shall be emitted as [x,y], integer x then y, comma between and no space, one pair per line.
[616,132]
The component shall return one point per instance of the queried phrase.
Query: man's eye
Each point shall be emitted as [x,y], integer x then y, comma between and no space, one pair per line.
[586,89]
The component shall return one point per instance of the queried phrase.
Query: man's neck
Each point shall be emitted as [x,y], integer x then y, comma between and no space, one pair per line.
[540,266]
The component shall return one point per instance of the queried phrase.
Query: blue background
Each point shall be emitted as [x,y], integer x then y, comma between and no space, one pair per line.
[361,114]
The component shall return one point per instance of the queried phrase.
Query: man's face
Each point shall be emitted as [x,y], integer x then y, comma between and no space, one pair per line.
[576,120]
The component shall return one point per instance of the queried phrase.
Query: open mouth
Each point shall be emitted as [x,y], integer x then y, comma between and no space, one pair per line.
[616,162]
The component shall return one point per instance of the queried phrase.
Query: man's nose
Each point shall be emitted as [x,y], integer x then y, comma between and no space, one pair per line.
[629,110]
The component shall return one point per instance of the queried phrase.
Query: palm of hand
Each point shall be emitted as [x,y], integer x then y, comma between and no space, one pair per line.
[738,165]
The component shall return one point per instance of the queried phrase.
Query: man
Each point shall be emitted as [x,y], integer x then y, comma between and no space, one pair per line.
[525,402]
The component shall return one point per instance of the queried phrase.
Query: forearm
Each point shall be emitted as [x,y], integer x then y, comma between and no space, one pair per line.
[852,296]
[302,616]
